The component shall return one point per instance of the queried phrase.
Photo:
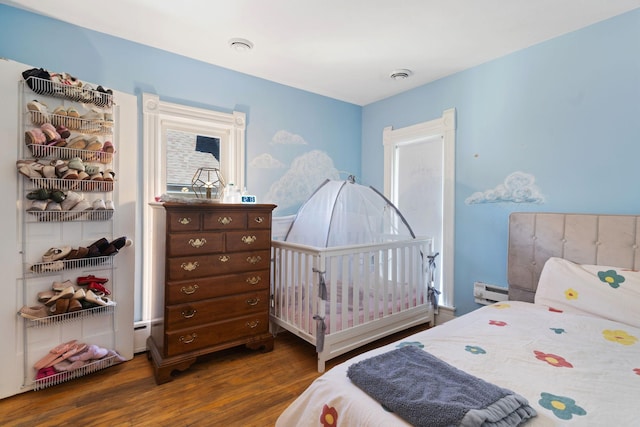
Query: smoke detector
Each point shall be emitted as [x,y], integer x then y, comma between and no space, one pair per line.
[401,74]
[240,45]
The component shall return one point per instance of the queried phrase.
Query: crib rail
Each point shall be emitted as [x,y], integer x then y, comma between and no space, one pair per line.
[347,288]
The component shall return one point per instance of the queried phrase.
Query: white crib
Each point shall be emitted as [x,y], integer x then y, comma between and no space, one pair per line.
[341,298]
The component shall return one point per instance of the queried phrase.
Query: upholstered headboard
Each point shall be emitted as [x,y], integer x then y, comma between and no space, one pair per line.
[582,238]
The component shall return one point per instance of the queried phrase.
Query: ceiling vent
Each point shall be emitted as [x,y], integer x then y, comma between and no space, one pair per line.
[400,74]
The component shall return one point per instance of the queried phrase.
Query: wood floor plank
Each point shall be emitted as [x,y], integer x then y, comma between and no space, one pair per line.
[234,387]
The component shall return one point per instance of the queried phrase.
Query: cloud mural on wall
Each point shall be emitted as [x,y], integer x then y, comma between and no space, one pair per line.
[266,161]
[304,176]
[518,187]
[288,138]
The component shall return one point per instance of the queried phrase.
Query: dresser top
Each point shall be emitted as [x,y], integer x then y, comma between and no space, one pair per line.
[218,206]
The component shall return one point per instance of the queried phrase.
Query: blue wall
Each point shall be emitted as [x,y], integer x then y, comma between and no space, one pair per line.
[565,112]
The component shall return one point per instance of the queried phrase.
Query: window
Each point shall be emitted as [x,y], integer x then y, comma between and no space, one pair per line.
[177,140]
[419,176]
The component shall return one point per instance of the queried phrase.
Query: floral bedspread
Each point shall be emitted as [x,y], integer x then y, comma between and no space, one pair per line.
[574,369]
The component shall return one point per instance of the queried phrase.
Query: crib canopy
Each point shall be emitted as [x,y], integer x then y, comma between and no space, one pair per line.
[344,213]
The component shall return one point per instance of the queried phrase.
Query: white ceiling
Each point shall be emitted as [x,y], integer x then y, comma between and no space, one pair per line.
[343,49]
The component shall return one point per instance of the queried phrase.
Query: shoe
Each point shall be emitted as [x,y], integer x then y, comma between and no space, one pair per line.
[71,200]
[59,307]
[67,293]
[79,295]
[72,112]
[34,312]
[74,305]
[97,247]
[79,253]
[109,205]
[76,163]
[99,205]
[98,300]
[57,195]
[37,206]
[92,352]
[53,354]
[49,171]
[87,280]
[75,349]
[63,131]
[94,144]
[45,296]
[98,289]
[108,175]
[55,254]
[34,105]
[53,207]
[61,286]
[39,194]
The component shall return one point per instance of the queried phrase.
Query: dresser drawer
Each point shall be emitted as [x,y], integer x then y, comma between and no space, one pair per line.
[179,244]
[181,268]
[259,220]
[213,310]
[211,334]
[248,240]
[187,220]
[178,292]
[224,220]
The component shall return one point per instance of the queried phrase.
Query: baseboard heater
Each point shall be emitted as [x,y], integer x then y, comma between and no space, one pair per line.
[488,294]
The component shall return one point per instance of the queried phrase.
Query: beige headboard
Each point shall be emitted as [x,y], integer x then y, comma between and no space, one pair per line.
[582,238]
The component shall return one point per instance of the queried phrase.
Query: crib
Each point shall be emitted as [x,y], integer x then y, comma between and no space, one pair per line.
[339,298]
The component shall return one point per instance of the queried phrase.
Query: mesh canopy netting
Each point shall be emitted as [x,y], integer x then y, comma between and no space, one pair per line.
[344,213]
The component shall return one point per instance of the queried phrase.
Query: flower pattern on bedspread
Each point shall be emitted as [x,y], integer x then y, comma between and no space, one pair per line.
[497,323]
[571,294]
[558,331]
[553,359]
[474,349]
[562,407]
[636,370]
[611,277]
[329,416]
[619,336]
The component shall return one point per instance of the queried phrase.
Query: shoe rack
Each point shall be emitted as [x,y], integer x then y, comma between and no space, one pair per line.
[66,206]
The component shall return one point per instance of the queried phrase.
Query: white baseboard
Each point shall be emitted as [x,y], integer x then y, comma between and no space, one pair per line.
[141,331]
[445,314]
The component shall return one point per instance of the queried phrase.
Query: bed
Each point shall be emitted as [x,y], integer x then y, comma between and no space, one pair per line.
[567,341]
[350,271]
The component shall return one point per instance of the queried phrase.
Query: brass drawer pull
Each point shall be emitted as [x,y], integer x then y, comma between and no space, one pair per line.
[248,239]
[225,220]
[197,243]
[224,258]
[253,301]
[259,219]
[191,289]
[187,339]
[189,266]
[184,221]
[189,313]
[253,324]
[254,259]
[253,280]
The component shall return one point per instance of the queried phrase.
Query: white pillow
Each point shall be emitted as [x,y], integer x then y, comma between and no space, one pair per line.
[609,292]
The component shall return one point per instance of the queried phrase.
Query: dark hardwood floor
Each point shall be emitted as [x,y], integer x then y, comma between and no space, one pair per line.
[235,387]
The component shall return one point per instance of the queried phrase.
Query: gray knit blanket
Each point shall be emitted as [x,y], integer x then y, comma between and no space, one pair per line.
[425,391]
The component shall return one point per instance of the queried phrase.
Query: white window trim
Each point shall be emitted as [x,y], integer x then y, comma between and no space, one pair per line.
[444,126]
[157,116]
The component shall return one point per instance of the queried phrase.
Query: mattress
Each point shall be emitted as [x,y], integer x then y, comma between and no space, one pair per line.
[573,368]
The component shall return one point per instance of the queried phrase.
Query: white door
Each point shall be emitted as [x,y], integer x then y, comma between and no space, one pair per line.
[419,178]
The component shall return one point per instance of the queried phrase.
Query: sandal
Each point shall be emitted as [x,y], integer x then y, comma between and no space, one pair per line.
[55,254]
[53,354]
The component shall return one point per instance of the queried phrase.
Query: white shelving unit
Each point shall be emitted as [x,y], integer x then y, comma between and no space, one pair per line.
[44,229]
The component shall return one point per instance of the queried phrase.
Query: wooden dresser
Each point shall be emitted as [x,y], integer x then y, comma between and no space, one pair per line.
[216,289]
